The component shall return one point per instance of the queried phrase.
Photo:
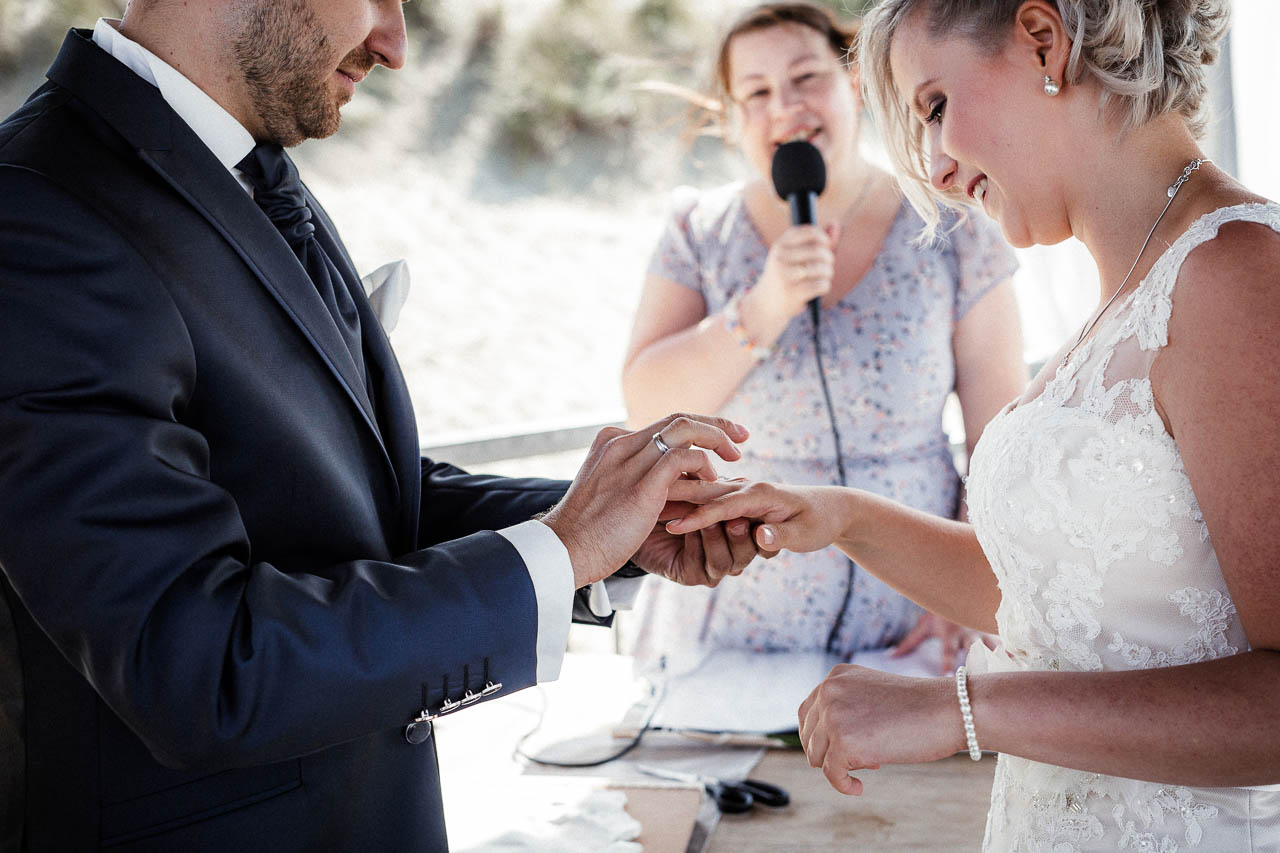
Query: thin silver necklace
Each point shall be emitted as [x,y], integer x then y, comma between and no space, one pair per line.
[1193,166]
[851,209]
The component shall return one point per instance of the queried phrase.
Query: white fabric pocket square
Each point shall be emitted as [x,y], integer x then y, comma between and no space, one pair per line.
[387,288]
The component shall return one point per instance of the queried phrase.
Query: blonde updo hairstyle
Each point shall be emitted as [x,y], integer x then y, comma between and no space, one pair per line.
[1148,55]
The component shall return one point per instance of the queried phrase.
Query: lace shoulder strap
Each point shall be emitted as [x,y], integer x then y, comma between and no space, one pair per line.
[1153,301]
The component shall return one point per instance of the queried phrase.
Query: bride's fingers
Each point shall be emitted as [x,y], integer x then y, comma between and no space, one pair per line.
[709,513]
[767,540]
[674,509]
[767,551]
[695,491]
[816,746]
[805,715]
[837,773]
[755,501]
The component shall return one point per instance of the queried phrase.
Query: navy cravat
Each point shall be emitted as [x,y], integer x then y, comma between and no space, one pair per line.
[278,191]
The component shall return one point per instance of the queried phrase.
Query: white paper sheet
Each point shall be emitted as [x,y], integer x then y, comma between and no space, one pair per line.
[760,693]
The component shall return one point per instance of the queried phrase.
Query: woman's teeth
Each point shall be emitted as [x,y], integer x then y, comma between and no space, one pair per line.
[980,191]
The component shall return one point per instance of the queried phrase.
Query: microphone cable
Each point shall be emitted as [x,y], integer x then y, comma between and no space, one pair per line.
[799,176]
[815,314]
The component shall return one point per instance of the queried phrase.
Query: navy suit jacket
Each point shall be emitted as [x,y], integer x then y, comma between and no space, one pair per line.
[230,580]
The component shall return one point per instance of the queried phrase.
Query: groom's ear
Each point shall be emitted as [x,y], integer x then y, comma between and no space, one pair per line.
[1040,35]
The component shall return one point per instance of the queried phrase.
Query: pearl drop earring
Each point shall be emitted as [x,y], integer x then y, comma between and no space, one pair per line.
[1051,87]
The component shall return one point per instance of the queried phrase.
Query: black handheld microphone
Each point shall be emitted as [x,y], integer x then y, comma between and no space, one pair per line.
[799,177]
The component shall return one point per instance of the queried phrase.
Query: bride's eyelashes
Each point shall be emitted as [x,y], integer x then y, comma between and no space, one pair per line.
[935,111]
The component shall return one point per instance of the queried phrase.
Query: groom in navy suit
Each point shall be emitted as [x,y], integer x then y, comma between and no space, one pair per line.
[232,595]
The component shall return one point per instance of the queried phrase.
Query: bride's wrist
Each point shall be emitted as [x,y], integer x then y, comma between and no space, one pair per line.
[851,509]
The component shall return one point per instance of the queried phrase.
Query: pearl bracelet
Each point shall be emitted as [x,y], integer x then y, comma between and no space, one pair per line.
[733,322]
[966,713]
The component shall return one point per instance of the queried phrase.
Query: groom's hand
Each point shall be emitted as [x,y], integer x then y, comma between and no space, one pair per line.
[612,506]
[702,558]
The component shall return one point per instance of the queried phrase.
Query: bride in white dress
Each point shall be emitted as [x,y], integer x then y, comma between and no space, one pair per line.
[1124,537]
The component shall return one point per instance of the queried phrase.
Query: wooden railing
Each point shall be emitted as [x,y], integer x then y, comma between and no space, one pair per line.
[543,438]
[504,443]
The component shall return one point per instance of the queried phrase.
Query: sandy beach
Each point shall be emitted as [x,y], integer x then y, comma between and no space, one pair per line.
[518,312]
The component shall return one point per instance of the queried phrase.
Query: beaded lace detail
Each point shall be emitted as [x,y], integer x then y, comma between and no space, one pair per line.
[1082,505]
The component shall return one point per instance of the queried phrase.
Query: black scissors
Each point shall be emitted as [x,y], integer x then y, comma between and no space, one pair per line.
[730,797]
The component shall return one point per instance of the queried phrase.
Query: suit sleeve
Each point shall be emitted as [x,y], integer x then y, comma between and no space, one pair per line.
[455,502]
[138,566]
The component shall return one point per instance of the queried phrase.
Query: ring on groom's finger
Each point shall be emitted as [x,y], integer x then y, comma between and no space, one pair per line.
[662,446]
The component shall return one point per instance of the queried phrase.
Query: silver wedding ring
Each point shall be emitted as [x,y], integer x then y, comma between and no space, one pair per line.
[662,446]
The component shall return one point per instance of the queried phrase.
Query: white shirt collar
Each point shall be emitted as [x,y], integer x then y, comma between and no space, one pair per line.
[217,128]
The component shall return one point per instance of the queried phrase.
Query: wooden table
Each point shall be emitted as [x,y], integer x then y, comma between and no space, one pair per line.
[919,807]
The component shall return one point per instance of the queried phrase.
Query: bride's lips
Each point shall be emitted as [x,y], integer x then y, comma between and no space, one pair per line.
[977,189]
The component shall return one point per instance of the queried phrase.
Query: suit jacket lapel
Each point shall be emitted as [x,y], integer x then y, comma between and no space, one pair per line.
[243,224]
[399,429]
[136,110]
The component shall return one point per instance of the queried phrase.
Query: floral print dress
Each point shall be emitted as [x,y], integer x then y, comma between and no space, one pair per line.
[888,361]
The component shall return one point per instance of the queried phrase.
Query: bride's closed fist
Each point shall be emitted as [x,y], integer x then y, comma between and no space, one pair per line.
[859,719]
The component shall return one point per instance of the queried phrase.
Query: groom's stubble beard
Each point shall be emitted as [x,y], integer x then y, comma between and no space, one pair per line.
[287,64]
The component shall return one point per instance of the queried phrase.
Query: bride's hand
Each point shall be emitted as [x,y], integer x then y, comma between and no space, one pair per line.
[954,640]
[797,518]
[859,719]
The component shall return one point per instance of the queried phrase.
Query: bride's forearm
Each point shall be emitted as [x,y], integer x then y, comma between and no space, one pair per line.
[936,562]
[1207,724]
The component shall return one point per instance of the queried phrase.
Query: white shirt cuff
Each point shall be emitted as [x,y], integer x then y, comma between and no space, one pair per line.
[598,600]
[547,561]
[620,594]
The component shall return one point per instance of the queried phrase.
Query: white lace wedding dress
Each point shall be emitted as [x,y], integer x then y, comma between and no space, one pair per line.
[1082,506]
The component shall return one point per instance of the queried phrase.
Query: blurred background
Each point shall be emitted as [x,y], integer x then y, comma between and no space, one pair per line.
[521,163]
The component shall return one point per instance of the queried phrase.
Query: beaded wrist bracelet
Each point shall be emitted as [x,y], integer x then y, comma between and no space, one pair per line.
[733,322]
[966,713]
